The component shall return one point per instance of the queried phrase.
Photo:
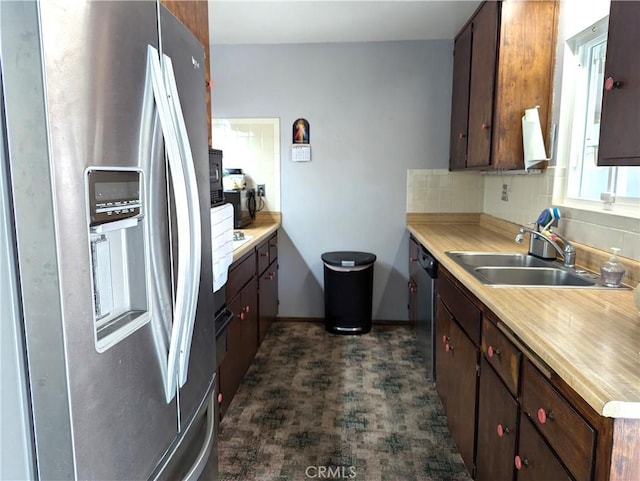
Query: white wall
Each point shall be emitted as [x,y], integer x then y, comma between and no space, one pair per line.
[375,110]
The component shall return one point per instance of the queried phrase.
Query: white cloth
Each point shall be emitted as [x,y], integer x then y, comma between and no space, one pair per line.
[221,243]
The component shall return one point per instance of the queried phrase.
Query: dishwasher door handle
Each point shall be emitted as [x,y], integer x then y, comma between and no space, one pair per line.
[428,263]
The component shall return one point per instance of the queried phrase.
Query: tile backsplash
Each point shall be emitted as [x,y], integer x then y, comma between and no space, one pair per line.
[441,191]
[528,195]
[253,145]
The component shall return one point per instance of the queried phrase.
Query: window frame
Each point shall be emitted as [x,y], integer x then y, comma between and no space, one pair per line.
[573,150]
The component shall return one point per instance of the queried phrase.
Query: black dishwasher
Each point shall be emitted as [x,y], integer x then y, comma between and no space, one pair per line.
[425,318]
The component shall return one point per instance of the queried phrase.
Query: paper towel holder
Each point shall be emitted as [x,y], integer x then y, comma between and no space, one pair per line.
[532,141]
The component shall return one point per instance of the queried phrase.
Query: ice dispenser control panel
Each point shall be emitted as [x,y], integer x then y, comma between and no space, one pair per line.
[114,195]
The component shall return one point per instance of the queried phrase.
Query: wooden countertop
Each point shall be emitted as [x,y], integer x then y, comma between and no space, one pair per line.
[259,232]
[589,337]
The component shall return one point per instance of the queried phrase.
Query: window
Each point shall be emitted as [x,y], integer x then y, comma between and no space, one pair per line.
[585,180]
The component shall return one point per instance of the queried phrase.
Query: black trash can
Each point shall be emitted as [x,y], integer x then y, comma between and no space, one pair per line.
[348,291]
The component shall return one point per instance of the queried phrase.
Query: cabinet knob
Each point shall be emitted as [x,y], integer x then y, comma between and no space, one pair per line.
[246,308]
[501,430]
[461,136]
[448,347]
[543,415]
[610,83]
[273,245]
[264,254]
[492,352]
[445,339]
[519,462]
[219,398]
[413,259]
[241,316]
[485,126]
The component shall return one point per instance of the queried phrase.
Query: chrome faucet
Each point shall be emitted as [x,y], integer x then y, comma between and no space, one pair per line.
[568,254]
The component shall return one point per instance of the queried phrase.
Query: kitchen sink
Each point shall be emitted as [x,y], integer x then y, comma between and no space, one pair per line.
[510,259]
[533,276]
[512,269]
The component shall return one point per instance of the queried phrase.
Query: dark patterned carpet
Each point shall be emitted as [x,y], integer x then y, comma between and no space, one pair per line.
[315,405]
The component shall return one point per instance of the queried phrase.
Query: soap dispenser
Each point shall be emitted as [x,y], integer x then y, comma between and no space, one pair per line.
[612,271]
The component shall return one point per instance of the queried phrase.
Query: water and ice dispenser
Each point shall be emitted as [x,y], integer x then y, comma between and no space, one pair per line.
[118,258]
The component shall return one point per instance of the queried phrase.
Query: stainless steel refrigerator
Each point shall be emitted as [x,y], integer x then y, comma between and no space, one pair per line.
[108,336]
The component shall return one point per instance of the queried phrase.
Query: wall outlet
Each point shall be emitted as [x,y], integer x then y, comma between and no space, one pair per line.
[261,190]
[505,192]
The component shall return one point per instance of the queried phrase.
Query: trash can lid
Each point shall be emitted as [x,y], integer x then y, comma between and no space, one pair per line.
[348,258]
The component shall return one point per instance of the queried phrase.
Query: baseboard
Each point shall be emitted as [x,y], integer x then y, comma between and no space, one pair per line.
[376,322]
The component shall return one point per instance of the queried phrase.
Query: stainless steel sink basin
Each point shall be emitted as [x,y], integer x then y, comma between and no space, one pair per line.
[510,259]
[532,276]
[512,269]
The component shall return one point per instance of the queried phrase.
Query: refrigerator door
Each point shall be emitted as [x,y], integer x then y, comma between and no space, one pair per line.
[187,59]
[96,415]
[16,455]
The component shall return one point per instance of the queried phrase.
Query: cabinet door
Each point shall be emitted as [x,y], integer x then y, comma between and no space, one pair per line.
[497,426]
[457,381]
[535,461]
[443,361]
[527,44]
[413,302]
[249,322]
[619,139]
[460,100]
[231,372]
[414,250]
[461,415]
[268,299]
[483,71]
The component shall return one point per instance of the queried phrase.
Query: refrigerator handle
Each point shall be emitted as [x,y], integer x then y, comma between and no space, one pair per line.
[173,151]
[207,445]
[193,235]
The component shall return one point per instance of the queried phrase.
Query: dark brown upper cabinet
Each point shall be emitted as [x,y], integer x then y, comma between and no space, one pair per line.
[460,95]
[620,119]
[503,64]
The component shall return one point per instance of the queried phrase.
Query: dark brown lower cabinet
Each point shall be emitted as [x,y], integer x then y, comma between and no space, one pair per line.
[443,362]
[242,342]
[457,376]
[268,299]
[497,428]
[535,461]
[249,313]
[230,375]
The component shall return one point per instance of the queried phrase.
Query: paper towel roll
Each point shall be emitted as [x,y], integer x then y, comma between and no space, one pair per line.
[532,140]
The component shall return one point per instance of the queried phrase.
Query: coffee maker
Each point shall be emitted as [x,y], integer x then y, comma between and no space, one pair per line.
[244,206]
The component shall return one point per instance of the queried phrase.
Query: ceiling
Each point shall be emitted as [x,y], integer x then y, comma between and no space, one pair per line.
[302,21]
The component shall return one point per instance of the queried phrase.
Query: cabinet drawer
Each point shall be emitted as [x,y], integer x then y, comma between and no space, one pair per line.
[273,248]
[263,257]
[463,310]
[564,428]
[240,273]
[502,355]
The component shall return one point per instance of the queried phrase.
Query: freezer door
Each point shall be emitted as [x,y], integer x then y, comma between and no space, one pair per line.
[96,415]
[187,59]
